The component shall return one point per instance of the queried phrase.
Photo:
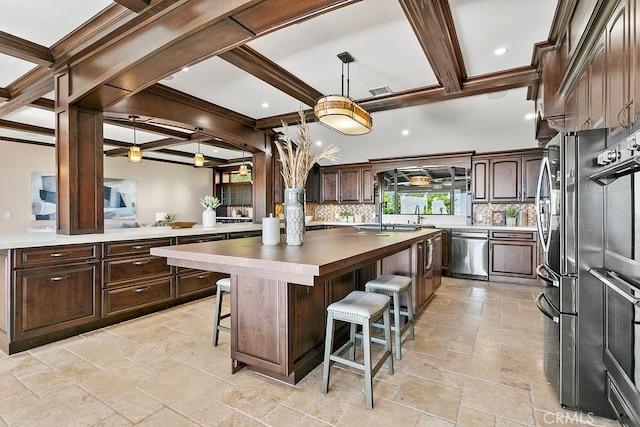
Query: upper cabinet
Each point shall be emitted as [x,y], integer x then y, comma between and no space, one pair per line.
[505,177]
[620,62]
[348,184]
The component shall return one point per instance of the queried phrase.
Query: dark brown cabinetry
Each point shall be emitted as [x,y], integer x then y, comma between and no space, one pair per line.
[348,185]
[50,295]
[132,278]
[191,282]
[506,177]
[619,35]
[236,194]
[513,255]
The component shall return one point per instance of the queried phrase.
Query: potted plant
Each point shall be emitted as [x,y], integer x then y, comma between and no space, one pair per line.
[511,213]
[209,214]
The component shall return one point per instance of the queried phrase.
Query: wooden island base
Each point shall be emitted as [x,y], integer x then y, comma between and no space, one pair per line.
[279,294]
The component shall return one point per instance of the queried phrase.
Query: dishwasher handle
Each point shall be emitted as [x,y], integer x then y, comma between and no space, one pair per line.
[470,235]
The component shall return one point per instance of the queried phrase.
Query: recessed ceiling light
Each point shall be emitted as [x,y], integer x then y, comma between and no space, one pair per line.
[185,68]
[405,132]
[318,142]
[215,150]
[500,51]
[529,116]
[265,105]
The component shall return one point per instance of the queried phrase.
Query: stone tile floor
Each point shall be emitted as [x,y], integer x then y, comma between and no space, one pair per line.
[476,361]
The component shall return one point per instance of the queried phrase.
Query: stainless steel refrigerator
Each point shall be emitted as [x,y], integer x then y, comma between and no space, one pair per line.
[570,224]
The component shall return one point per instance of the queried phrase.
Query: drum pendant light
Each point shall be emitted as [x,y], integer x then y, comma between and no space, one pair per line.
[341,113]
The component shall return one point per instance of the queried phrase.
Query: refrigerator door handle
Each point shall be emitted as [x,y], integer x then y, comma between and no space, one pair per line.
[548,275]
[545,170]
[541,296]
[618,289]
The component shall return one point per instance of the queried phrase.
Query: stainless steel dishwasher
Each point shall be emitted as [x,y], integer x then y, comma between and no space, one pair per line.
[470,254]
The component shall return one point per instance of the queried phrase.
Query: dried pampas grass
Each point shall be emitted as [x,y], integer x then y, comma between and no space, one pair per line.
[296,156]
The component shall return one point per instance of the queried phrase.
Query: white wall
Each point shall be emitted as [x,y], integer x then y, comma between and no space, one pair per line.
[162,187]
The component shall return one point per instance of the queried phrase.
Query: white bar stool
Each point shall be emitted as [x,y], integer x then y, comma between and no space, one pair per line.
[358,308]
[395,286]
[222,285]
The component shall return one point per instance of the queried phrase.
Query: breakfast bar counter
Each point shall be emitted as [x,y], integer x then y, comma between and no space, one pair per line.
[279,293]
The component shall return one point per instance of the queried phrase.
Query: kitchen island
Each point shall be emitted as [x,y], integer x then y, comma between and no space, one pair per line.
[279,294]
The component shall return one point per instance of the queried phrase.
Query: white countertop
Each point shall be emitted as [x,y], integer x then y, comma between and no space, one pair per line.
[51,238]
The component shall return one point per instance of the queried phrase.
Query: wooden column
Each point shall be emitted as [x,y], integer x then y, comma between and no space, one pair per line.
[79,164]
[262,175]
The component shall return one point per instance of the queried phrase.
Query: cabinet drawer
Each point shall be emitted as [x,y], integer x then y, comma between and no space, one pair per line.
[49,299]
[529,236]
[242,234]
[201,239]
[133,297]
[133,247]
[197,281]
[118,271]
[55,255]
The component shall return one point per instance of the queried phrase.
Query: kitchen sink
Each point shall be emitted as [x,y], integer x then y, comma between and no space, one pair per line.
[392,227]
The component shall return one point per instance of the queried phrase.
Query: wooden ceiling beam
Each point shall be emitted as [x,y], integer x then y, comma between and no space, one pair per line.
[148,146]
[135,5]
[25,50]
[254,63]
[28,88]
[23,127]
[192,31]
[488,83]
[4,93]
[151,128]
[432,23]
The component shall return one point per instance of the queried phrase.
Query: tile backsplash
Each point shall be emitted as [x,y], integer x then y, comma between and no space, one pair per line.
[481,213]
[322,212]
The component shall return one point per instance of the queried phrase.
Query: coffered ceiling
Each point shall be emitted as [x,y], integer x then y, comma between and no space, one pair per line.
[449,92]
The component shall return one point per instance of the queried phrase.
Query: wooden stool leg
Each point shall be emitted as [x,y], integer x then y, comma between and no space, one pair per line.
[328,345]
[397,325]
[386,318]
[412,334]
[368,378]
[216,316]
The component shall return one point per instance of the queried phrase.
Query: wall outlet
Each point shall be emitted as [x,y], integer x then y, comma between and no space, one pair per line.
[7,214]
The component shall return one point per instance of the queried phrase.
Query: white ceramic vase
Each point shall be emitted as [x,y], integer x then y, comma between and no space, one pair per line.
[511,222]
[208,218]
[294,215]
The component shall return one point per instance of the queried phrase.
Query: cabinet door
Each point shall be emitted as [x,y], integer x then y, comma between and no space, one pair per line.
[367,185]
[480,180]
[55,298]
[350,185]
[618,68]
[505,179]
[312,188]
[597,86]
[330,186]
[570,108]
[512,259]
[582,102]
[437,260]
[530,172]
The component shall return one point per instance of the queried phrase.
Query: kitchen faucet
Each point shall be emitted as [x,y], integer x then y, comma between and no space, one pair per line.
[417,212]
[380,214]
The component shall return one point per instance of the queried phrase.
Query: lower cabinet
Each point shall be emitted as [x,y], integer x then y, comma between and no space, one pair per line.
[137,296]
[49,299]
[59,291]
[513,256]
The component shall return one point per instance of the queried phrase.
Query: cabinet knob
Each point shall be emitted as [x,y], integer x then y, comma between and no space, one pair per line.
[138,290]
[59,278]
[141,262]
[140,246]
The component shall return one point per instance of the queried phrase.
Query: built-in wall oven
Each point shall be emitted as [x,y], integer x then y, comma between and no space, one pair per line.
[620,276]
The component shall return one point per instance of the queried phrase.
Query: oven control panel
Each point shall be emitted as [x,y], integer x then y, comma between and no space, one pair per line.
[620,151]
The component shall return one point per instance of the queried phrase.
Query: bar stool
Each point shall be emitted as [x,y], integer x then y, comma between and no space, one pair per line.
[223,285]
[395,286]
[358,308]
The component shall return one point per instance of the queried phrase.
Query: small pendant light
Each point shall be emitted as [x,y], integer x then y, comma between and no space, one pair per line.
[198,158]
[135,155]
[244,170]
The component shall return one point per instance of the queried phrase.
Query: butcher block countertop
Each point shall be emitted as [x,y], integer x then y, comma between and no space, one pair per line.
[323,254]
